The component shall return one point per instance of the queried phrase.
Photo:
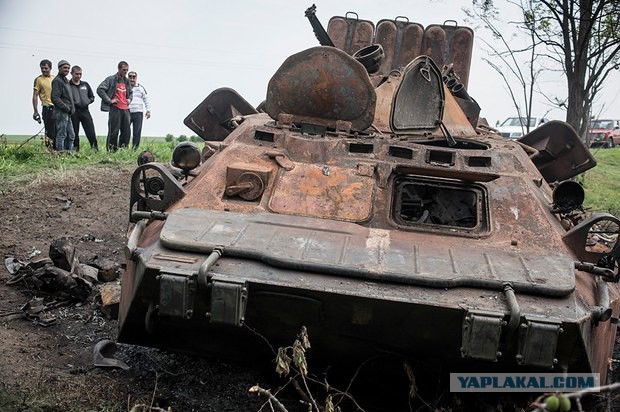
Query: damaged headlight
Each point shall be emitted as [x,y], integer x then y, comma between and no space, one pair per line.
[186,156]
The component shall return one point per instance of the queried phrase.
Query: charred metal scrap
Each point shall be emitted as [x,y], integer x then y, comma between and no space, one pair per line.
[62,275]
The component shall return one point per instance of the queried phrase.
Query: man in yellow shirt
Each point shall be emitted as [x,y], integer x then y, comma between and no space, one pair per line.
[43,91]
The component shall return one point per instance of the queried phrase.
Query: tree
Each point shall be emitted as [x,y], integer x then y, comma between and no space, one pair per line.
[519,79]
[583,38]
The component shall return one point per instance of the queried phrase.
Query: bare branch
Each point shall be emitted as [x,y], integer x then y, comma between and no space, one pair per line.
[266,393]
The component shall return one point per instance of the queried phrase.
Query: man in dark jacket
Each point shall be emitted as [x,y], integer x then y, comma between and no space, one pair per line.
[115,92]
[63,108]
[82,97]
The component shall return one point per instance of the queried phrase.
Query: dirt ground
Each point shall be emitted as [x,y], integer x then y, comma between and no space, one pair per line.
[51,368]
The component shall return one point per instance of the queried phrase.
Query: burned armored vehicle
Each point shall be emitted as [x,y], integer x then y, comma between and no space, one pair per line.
[363,200]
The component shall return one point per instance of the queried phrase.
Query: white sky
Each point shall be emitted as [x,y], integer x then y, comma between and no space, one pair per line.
[182,50]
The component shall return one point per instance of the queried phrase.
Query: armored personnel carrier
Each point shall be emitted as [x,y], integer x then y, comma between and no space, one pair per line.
[363,200]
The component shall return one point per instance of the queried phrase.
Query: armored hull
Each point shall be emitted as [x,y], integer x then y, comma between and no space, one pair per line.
[368,206]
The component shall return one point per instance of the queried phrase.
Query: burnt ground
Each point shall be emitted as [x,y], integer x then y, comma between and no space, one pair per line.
[49,368]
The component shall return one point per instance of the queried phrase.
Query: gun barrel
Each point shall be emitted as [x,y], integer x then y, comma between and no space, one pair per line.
[317,27]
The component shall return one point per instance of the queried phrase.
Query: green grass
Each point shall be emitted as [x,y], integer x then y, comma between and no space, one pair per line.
[602,184]
[25,163]
[20,138]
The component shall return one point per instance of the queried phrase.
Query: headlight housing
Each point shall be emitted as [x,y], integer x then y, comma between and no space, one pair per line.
[186,156]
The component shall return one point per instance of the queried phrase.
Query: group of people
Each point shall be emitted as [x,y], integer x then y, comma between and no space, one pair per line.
[65,104]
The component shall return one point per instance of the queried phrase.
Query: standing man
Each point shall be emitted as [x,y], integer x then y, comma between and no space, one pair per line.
[139,102]
[64,108]
[43,91]
[82,96]
[115,92]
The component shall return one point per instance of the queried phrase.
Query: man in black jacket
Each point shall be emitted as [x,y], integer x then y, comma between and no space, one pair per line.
[115,92]
[82,97]
[63,108]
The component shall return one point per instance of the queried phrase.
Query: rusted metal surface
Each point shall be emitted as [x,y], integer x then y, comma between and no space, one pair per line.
[385,96]
[344,249]
[329,192]
[364,231]
[401,41]
[349,33]
[450,44]
[209,119]
[322,85]
[561,153]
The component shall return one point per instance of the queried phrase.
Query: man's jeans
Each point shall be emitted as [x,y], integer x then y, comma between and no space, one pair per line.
[118,120]
[64,131]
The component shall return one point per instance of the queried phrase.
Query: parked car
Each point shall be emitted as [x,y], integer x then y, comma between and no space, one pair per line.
[515,127]
[604,133]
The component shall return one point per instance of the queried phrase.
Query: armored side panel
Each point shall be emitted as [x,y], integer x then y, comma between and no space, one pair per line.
[350,33]
[209,119]
[401,41]
[450,44]
[561,153]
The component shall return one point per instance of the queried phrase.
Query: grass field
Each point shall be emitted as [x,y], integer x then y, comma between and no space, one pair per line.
[601,184]
[25,163]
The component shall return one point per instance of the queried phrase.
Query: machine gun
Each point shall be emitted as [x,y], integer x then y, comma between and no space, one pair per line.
[317,27]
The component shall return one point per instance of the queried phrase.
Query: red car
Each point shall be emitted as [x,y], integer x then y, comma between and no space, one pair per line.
[604,133]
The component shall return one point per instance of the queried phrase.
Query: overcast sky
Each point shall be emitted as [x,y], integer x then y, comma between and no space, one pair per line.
[182,50]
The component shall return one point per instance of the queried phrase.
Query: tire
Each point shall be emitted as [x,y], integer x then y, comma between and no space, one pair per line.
[608,144]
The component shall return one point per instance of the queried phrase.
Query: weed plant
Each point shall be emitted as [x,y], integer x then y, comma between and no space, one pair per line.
[25,163]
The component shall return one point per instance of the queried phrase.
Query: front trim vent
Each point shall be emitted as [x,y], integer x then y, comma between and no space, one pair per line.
[401,152]
[264,136]
[479,161]
[440,157]
[361,148]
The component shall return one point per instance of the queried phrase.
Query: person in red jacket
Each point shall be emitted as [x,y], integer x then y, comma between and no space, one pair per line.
[116,93]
